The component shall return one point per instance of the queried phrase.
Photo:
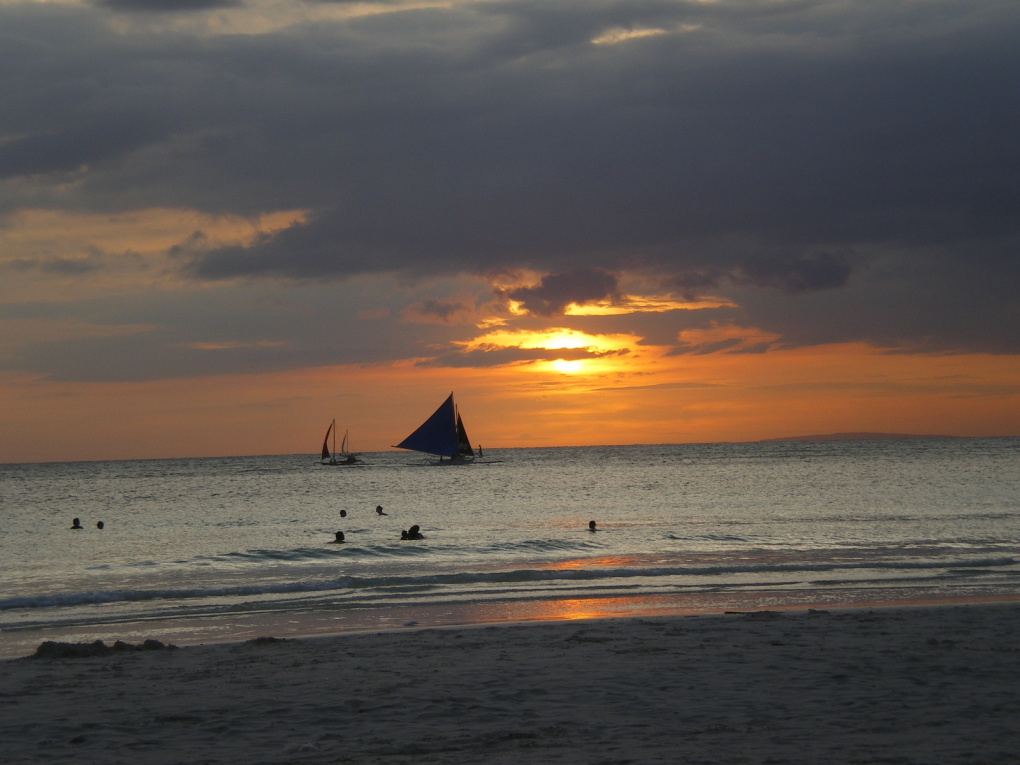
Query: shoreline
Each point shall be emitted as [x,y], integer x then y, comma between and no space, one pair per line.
[897,683]
[238,627]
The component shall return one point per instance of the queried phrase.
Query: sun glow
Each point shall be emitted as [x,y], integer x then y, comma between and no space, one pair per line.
[559,350]
[567,367]
[635,304]
[618,35]
[558,338]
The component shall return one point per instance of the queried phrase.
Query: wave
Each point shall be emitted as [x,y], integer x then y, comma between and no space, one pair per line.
[346,585]
[719,538]
[396,550]
[539,545]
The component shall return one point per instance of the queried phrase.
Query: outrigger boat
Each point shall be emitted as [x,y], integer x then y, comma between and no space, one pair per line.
[343,457]
[443,434]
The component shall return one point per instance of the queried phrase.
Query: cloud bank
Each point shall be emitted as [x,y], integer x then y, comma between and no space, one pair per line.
[833,171]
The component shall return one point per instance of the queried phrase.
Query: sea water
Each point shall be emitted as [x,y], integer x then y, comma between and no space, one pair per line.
[204,550]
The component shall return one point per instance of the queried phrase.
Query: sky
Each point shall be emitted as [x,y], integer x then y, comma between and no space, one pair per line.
[224,223]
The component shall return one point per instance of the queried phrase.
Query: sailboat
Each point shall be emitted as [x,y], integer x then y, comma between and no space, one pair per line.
[343,457]
[442,434]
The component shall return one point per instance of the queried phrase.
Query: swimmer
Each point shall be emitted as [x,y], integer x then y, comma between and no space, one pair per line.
[339,539]
[412,533]
[591,526]
[378,510]
[100,525]
[77,524]
[343,513]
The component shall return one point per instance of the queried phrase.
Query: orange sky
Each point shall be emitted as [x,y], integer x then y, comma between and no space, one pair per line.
[587,374]
[678,399]
[224,224]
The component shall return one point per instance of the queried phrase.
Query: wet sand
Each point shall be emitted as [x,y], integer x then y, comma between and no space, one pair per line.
[871,685]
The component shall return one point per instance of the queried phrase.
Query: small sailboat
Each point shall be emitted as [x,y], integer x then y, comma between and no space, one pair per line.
[344,456]
[442,434]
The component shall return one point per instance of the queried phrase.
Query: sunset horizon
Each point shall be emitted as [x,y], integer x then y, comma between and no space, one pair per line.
[510,381]
[225,223]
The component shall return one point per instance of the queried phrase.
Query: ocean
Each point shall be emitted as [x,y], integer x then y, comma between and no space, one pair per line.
[213,550]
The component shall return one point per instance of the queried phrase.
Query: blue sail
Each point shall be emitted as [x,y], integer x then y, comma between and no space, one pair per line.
[463,442]
[437,435]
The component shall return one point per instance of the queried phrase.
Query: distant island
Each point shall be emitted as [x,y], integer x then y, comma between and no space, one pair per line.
[855,437]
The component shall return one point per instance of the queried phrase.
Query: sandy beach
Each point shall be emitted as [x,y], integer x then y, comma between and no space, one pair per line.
[884,685]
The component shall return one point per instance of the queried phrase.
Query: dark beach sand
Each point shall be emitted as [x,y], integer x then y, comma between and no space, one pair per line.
[878,685]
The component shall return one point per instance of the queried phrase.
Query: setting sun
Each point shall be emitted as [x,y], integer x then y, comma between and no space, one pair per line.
[567,367]
[553,339]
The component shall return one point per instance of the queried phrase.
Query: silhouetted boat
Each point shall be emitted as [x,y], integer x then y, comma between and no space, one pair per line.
[343,457]
[443,434]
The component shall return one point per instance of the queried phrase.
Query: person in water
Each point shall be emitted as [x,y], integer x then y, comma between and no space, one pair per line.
[339,539]
[591,526]
[77,524]
[378,510]
[343,513]
[412,533]
[100,525]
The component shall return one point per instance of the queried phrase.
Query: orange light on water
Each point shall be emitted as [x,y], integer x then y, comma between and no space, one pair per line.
[598,562]
[575,609]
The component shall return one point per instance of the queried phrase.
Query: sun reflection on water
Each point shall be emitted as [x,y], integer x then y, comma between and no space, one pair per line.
[597,562]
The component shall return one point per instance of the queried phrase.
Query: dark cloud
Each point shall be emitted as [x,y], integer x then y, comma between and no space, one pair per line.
[654,149]
[354,2]
[443,311]
[731,345]
[557,291]
[692,284]
[58,266]
[788,272]
[961,298]
[223,329]
[841,170]
[69,149]
[324,247]
[496,357]
[168,6]
[795,274]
